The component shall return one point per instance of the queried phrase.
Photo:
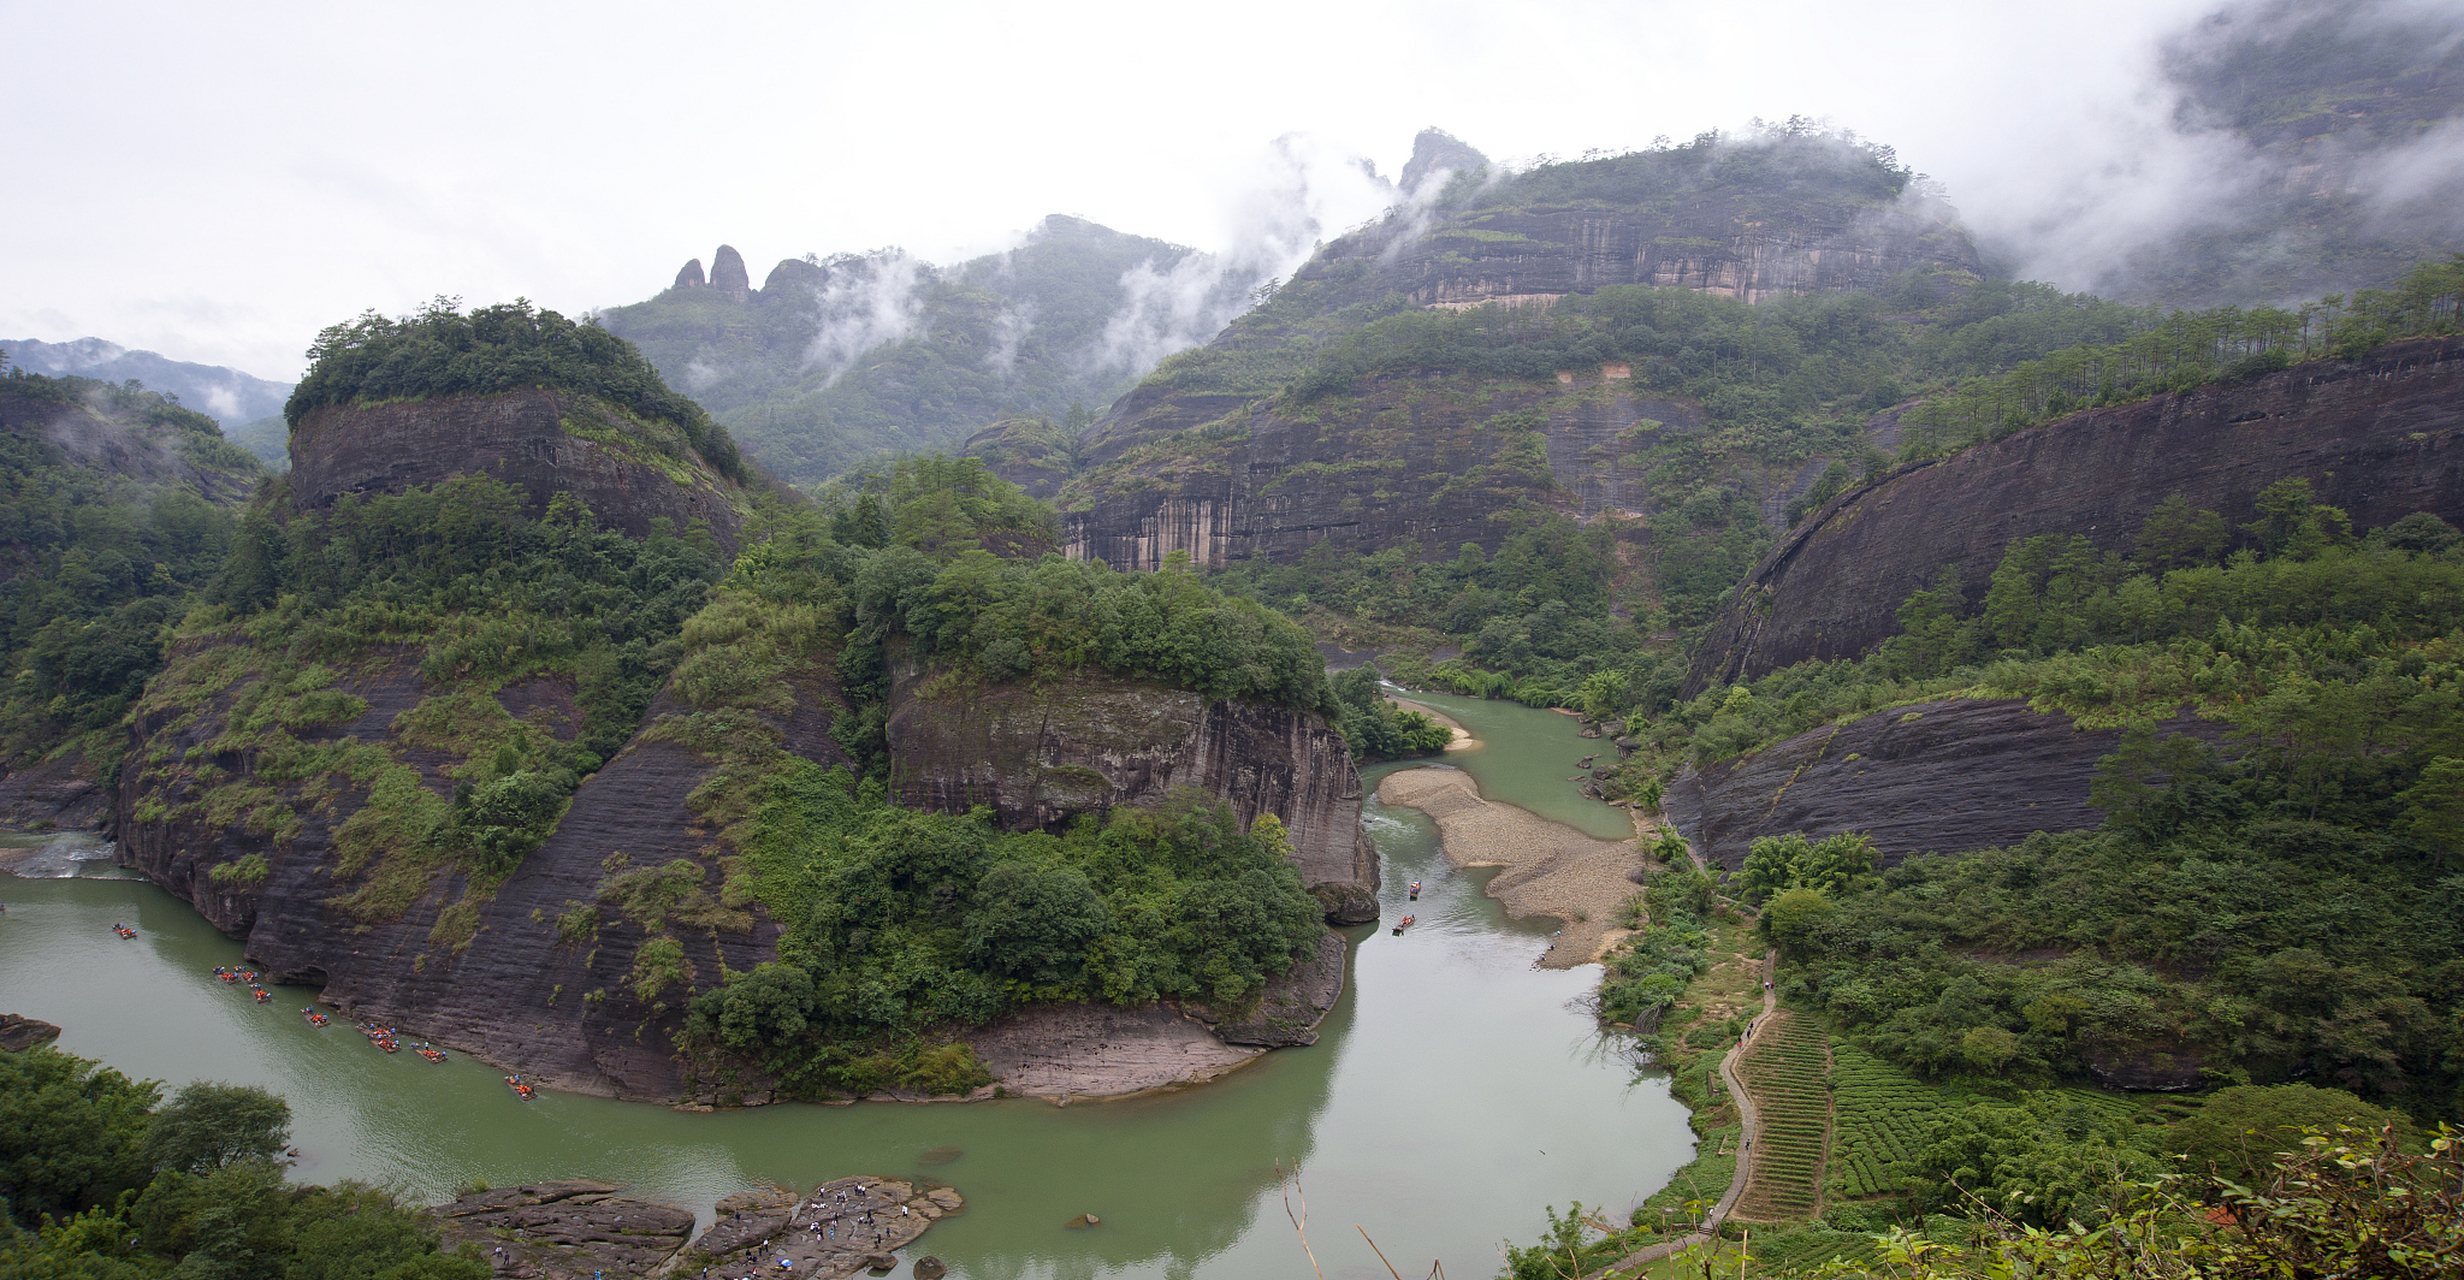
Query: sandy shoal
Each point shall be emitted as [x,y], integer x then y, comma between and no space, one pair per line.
[1551,868]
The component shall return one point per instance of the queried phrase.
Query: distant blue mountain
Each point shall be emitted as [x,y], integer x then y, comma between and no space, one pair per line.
[226,395]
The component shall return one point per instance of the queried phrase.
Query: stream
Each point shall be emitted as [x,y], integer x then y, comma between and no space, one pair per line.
[1456,1090]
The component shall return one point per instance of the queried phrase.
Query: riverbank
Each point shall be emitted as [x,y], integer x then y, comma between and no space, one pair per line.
[1551,869]
[571,1228]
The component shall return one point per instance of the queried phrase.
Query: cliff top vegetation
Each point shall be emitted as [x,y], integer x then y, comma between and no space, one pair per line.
[442,351]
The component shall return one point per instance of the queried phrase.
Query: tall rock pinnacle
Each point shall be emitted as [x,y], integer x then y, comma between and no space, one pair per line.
[691,276]
[728,276]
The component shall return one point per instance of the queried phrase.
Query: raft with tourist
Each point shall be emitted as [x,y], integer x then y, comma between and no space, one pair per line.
[520,1090]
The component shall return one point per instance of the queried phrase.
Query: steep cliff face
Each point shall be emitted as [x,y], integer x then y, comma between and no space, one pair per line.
[1425,460]
[630,471]
[2381,437]
[1039,755]
[1937,777]
[536,974]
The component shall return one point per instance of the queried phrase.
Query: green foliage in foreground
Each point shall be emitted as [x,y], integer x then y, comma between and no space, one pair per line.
[903,923]
[101,562]
[95,1190]
[440,351]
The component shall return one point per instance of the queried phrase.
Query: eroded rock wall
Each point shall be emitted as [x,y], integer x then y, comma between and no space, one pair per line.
[528,439]
[2381,437]
[1416,459]
[1938,777]
[1039,755]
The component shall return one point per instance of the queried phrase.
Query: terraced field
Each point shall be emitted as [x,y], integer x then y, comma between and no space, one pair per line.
[1788,1068]
[1881,1114]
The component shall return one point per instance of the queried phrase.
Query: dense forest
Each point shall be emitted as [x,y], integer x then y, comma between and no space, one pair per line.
[100,558]
[101,1178]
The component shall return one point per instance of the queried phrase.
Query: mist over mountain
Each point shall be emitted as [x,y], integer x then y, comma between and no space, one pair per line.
[2304,147]
[226,395]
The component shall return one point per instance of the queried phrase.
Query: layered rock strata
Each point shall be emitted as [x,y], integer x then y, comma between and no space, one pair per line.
[630,472]
[1041,754]
[1431,461]
[2381,437]
[1946,776]
[577,1229]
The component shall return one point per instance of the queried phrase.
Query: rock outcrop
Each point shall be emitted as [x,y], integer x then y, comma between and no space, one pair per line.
[1419,459]
[1039,755]
[840,1228]
[565,1230]
[1938,777]
[61,794]
[728,275]
[691,276]
[2381,437]
[544,443]
[1434,152]
[19,1033]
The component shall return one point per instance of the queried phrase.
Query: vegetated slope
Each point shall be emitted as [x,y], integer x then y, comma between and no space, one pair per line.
[831,363]
[115,506]
[533,782]
[2380,435]
[2265,891]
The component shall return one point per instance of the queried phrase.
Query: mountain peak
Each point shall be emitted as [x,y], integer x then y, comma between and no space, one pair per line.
[1435,151]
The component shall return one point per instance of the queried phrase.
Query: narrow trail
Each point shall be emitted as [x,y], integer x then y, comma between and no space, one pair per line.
[1749,1124]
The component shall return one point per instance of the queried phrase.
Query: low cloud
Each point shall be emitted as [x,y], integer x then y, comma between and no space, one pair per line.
[868,302]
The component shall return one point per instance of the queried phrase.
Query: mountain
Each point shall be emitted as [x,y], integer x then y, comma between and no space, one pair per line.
[2333,131]
[832,363]
[525,711]
[115,508]
[227,395]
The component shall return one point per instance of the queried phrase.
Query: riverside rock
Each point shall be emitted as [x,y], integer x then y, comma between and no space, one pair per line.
[838,1229]
[2381,436]
[19,1033]
[566,1230]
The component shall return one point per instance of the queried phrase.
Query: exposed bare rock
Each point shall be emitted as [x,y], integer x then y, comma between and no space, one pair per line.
[1436,151]
[2381,437]
[531,439]
[62,794]
[1041,754]
[728,276]
[843,1227]
[1098,1050]
[691,276]
[566,1230]
[19,1033]
[1293,1004]
[1420,459]
[1942,777]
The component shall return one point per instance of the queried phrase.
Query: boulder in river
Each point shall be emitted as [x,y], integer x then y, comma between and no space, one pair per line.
[18,1033]
[929,1267]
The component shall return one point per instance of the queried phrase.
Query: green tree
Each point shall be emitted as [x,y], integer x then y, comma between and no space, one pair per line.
[209,1126]
[2176,535]
[70,1133]
[1034,923]
[2242,1131]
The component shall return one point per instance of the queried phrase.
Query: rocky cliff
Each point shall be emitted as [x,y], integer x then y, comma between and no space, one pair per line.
[1432,460]
[629,470]
[1039,755]
[1937,777]
[2380,436]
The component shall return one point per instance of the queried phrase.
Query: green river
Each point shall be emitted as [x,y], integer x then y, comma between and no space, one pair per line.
[1456,1090]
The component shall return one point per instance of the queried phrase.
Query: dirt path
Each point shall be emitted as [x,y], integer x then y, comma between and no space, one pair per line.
[1749,1122]
[1551,869]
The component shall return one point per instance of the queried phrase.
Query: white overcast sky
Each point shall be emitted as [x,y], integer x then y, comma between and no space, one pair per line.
[217,182]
